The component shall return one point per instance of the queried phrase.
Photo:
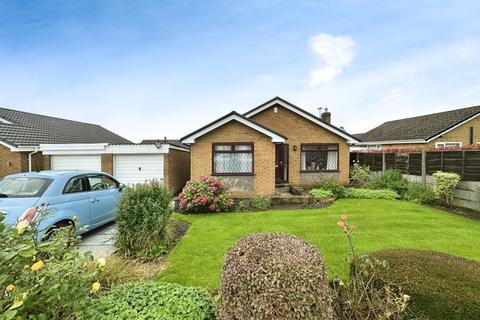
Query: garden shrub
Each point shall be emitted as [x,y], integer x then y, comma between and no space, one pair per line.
[392,180]
[257,203]
[444,185]
[355,193]
[420,194]
[207,194]
[274,276]
[322,194]
[333,185]
[151,300]
[440,285]
[359,174]
[43,279]
[142,216]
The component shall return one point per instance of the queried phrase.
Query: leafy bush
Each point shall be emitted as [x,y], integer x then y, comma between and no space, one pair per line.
[322,194]
[392,180]
[42,279]
[335,186]
[418,193]
[359,174]
[151,300]
[274,276]
[355,193]
[444,184]
[142,216]
[441,286]
[365,295]
[207,194]
[258,203]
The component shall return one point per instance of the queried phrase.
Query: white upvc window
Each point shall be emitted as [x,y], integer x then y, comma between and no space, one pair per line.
[445,145]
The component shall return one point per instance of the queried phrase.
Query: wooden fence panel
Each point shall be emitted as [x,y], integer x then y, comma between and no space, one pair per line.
[472,166]
[453,162]
[401,162]
[433,162]
[390,160]
[415,164]
[377,162]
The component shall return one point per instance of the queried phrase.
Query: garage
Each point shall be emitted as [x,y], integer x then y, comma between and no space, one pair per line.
[76,162]
[138,168]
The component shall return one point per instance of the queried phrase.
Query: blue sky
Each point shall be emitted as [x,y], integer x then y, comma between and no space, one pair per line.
[149,69]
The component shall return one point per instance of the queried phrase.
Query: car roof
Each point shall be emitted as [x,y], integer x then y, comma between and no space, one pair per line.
[53,173]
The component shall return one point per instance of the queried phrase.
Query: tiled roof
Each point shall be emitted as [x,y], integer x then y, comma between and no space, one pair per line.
[172,142]
[418,128]
[29,129]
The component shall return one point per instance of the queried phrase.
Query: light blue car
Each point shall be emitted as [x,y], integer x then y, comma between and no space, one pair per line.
[78,198]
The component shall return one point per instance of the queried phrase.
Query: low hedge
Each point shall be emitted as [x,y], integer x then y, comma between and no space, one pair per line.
[441,286]
[322,194]
[151,300]
[355,193]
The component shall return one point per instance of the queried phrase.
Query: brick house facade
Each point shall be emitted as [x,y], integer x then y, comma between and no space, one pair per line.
[276,143]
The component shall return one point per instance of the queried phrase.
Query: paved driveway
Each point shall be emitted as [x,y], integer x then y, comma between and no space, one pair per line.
[99,241]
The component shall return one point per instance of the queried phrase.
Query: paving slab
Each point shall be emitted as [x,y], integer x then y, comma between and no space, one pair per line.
[99,241]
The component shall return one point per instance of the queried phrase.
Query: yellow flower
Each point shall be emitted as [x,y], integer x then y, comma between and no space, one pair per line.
[22,226]
[101,262]
[38,265]
[17,303]
[10,287]
[95,287]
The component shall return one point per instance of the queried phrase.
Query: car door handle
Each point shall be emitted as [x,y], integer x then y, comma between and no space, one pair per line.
[94,200]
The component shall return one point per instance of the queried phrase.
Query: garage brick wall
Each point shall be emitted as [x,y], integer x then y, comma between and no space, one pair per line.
[264,155]
[15,162]
[176,169]
[299,130]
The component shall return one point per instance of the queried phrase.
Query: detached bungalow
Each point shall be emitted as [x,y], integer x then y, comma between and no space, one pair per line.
[276,143]
[33,142]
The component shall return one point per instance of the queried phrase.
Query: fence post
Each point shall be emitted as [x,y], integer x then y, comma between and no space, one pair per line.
[424,167]
[384,162]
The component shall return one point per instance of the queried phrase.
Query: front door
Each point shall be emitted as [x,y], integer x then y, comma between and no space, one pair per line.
[281,163]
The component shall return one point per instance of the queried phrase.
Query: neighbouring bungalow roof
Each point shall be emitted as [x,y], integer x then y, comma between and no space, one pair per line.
[303,113]
[422,128]
[233,116]
[18,128]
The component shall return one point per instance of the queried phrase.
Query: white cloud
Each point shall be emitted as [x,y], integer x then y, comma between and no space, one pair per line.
[266,77]
[334,54]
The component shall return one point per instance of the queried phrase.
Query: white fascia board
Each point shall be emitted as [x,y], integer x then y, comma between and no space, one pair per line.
[170,146]
[73,148]
[305,115]
[136,149]
[370,143]
[454,127]
[275,138]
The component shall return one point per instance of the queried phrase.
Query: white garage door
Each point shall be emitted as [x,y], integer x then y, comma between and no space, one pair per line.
[77,162]
[131,169]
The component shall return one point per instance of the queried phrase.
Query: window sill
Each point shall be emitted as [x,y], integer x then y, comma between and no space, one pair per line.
[319,171]
[233,174]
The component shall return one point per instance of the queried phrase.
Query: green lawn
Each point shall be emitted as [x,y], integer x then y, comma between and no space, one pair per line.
[382,224]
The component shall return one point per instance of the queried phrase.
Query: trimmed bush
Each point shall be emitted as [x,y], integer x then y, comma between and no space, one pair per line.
[151,300]
[274,276]
[420,194]
[355,193]
[441,286]
[207,194]
[392,180]
[258,203]
[444,184]
[359,174]
[142,216]
[322,194]
[335,186]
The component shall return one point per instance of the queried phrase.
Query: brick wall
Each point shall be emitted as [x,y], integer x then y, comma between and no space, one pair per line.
[300,130]
[15,162]
[176,169]
[107,163]
[264,155]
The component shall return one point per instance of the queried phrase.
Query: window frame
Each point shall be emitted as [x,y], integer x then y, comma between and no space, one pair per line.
[320,144]
[233,144]
[84,184]
[89,187]
[437,144]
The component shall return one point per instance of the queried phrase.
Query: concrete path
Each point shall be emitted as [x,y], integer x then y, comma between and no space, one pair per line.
[99,241]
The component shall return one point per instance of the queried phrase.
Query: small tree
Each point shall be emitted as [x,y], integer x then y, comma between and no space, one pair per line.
[359,174]
[444,185]
[142,217]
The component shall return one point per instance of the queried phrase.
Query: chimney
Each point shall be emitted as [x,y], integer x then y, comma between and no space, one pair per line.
[326,116]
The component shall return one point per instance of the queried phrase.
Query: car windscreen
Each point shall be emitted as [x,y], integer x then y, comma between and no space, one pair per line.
[23,187]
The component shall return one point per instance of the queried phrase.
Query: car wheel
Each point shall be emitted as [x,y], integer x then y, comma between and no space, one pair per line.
[53,231]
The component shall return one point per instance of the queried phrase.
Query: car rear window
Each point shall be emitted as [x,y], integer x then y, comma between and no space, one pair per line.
[23,187]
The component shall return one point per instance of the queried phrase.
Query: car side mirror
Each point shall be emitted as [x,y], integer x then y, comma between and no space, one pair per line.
[121,186]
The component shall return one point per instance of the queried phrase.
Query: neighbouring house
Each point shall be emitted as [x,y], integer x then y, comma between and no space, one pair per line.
[455,128]
[276,143]
[33,142]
